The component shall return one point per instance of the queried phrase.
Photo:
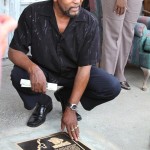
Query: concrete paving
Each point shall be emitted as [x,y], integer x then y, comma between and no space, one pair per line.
[121,124]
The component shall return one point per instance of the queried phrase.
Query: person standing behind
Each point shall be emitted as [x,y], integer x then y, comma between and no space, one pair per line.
[119,18]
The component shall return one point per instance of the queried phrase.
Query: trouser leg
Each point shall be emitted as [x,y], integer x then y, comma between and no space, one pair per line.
[131,16]
[112,29]
[102,87]
[29,97]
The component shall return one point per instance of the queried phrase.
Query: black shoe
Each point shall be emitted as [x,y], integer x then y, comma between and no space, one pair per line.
[38,117]
[125,85]
[63,104]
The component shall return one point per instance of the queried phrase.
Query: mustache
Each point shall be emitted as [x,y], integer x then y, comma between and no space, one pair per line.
[75,7]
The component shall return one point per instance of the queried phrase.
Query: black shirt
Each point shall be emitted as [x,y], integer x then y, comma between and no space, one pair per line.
[62,53]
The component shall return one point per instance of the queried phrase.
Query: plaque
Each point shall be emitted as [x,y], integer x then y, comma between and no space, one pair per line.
[57,141]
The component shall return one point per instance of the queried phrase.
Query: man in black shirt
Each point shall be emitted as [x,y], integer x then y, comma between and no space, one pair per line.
[64,41]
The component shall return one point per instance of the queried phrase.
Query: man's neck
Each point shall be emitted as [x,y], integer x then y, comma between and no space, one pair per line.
[61,18]
[59,14]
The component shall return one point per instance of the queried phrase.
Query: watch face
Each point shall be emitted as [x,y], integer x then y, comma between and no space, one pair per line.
[74,107]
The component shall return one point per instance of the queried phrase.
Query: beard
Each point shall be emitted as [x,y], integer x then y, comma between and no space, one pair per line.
[68,12]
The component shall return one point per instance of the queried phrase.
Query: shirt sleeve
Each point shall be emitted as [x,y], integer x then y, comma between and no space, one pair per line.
[90,51]
[22,35]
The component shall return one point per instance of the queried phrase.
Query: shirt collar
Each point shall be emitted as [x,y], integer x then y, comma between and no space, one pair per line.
[47,9]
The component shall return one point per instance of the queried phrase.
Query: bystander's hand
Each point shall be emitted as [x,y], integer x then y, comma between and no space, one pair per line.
[120,7]
[7,24]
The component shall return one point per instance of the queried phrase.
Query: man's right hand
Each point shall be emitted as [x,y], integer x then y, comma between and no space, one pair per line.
[38,79]
[36,75]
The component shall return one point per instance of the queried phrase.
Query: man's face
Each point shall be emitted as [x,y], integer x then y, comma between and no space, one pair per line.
[70,8]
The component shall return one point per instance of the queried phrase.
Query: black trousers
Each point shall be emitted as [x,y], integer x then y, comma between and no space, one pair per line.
[102,87]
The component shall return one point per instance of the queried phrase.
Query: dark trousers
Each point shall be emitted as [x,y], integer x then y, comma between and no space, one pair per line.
[102,87]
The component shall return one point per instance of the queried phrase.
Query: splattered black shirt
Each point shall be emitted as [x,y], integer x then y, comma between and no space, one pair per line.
[60,53]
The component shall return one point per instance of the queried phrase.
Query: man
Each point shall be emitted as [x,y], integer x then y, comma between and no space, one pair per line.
[64,40]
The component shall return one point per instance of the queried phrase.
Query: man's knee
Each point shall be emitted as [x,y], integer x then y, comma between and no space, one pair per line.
[17,74]
[109,89]
[94,99]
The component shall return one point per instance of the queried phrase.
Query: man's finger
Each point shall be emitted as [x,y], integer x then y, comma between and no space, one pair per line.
[62,125]
[75,132]
[44,88]
[70,130]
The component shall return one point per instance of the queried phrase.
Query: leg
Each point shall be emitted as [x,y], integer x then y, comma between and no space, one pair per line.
[102,87]
[29,98]
[146,77]
[112,28]
[131,16]
[62,95]
[44,102]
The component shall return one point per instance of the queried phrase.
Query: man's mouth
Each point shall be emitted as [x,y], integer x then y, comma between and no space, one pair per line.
[74,9]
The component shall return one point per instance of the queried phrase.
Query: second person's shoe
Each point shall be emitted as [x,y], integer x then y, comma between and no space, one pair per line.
[125,85]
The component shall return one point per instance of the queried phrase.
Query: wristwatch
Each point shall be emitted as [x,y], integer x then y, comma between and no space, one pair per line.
[72,106]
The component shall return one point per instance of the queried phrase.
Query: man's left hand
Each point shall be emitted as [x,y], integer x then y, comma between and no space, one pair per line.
[69,120]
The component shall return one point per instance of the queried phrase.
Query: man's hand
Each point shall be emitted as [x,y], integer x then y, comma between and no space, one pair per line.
[7,24]
[69,120]
[120,7]
[38,79]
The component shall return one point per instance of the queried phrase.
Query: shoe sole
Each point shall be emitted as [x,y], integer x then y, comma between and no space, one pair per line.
[37,124]
[125,88]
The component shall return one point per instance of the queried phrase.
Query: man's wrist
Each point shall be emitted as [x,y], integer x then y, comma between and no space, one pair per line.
[32,67]
[72,106]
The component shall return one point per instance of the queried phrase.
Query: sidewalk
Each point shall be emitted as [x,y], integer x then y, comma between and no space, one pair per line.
[121,124]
